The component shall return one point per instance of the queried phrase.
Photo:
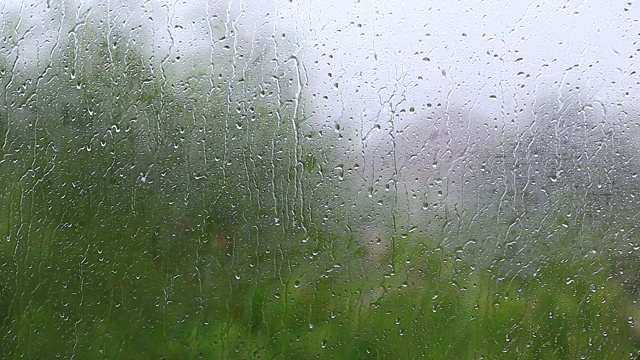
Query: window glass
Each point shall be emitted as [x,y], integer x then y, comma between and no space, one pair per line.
[334,179]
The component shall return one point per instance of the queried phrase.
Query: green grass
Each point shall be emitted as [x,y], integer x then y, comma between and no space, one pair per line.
[97,292]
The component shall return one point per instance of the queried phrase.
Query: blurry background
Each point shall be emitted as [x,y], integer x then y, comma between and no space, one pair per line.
[338,179]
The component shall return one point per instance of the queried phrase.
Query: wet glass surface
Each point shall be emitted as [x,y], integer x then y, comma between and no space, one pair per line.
[318,180]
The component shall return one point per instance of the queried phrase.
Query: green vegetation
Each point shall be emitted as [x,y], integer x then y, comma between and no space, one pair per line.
[141,221]
[120,303]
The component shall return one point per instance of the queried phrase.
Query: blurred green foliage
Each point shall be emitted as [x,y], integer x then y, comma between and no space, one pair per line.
[141,223]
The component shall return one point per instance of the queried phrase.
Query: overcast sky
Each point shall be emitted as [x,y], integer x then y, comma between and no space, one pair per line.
[492,57]
[376,65]
[412,82]
[409,52]
[361,64]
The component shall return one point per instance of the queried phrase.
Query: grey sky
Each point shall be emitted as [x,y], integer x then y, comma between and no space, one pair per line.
[414,88]
[467,52]
[408,52]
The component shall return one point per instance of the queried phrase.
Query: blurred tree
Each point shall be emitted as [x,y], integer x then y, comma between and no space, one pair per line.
[126,185]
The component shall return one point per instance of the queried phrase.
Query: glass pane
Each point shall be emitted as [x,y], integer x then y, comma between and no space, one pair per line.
[336,179]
